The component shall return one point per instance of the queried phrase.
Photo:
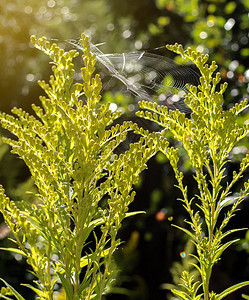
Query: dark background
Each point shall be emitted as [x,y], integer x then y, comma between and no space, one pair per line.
[219,28]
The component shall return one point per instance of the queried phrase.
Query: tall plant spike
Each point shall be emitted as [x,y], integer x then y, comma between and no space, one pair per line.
[208,138]
[84,188]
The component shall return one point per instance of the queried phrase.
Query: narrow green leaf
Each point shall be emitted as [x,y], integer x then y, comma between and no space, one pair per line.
[223,248]
[186,231]
[197,268]
[101,221]
[231,231]
[231,289]
[15,250]
[84,285]
[181,294]
[96,222]
[66,286]
[245,296]
[5,297]
[85,259]
[37,291]
[15,293]
[134,213]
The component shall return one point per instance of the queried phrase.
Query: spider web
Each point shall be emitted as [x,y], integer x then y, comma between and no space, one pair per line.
[148,76]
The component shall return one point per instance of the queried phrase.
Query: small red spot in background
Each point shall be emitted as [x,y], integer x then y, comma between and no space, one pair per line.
[160,216]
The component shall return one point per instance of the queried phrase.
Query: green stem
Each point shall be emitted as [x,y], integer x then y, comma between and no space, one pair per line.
[100,244]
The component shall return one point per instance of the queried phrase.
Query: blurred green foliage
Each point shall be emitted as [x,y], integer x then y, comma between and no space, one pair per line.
[219,28]
[16,179]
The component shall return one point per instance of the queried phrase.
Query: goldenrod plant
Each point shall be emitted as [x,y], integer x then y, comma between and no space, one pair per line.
[84,188]
[208,137]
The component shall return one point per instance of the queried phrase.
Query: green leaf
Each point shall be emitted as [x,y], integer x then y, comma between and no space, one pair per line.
[101,221]
[196,266]
[85,284]
[180,294]
[85,260]
[15,293]
[5,297]
[96,223]
[231,289]
[15,250]
[66,286]
[186,231]
[37,291]
[231,231]
[134,213]
[223,248]
[245,296]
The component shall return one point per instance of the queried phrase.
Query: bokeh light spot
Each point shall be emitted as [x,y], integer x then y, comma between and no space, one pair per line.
[195,12]
[200,48]
[203,35]
[229,24]
[18,256]
[138,45]
[131,107]
[210,23]
[247,74]
[160,216]
[235,47]
[230,74]
[25,90]
[127,34]
[183,254]
[233,65]
[65,10]
[234,92]
[42,10]
[110,27]
[51,3]
[28,10]
[113,107]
